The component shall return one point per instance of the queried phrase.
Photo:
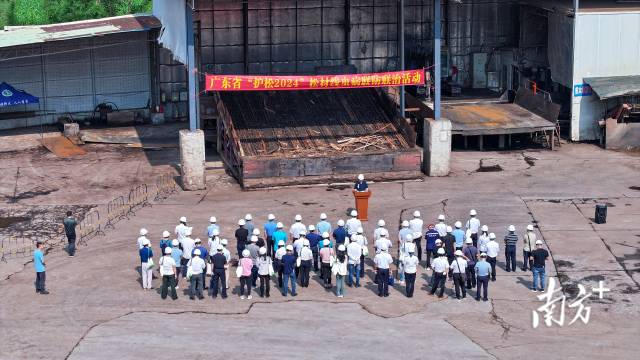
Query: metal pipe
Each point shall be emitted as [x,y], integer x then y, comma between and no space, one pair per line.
[347,32]
[436,60]
[401,42]
[191,70]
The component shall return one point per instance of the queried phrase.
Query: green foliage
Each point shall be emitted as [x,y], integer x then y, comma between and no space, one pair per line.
[28,12]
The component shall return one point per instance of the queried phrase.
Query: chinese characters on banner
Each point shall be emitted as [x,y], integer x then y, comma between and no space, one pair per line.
[312,82]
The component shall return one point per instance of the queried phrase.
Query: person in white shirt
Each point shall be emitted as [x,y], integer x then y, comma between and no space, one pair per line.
[168,273]
[380,228]
[363,242]
[416,226]
[441,227]
[440,267]
[459,266]
[483,239]
[181,229]
[197,266]
[306,259]
[227,255]
[353,223]
[354,253]
[410,269]
[403,252]
[493,248]
[142,238]
[382,242]
[278,260]
[297,227]
[404,231]
[214,241]
[382,262]
[187,244]
[472,226]
[298,243]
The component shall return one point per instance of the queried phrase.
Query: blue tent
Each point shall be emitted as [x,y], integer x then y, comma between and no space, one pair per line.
[9,96]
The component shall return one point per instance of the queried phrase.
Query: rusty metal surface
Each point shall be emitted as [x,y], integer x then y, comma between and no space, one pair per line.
[614,86]
[156,135]
[62,147]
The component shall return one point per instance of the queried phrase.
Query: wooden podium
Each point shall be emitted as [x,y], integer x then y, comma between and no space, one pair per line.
[362,204]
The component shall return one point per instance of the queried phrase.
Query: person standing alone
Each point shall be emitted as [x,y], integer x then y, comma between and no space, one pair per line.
[510,242]
[539,256]
[70,230]
[38,264]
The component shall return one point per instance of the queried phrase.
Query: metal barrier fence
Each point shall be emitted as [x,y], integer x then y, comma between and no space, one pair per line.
[96,221]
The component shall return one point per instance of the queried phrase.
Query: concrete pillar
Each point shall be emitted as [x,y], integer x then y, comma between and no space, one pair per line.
[71,129]
[192,159]
[437,147]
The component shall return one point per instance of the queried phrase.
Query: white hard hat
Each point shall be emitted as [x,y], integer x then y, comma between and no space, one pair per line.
[449,229]
[143,232]
[441,251]
[458,253]
[341,247]
[405,223]
[241,222]
[473,212]
[416,213]
[167,250]
[530,227]
[256,231]
[441,217]
[254,238]
[323,216]
[347,239]
[262,251]
[360,177]
[196,252]
[220,247]
[409,237]
[326,242]
[224,241]
[325,235]
[271,217]
[175,242]
[469,240]
[146,242]
[312,228]
[166,234]
[197,240]
[281,243]
[183,219]
[381,223]
[512,228]
[438,241]
[188,232]
[248,217]
[485,228]
[302,233]
[246,253]
[492,236]
[279,225]
[458,224]
[289,247]
[538,242]
[298,217]
[384,232]
[360,230]
[383,248]
[354,213]
[306,243]
[340,222]
[215,232]
[213,219]
[483,255]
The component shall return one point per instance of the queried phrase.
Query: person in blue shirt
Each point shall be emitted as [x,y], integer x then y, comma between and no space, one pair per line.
[165,241]
[361,185]
[270,227]
[458,234]
[323,226]
[430,238]
[213,226]
[483,270]
[204,254]
[288,266]
[314,239]
[278,235]
[340,233]
[176,254]
[38,264]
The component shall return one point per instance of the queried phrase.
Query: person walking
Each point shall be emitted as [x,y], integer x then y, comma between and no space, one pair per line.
[242,235]
[459,268]
[382,262]
[354,252]
[459,235]
[339,269]
[538,257]
[282,251]
[246,264]
[314,240]
[69,224]
[510,242]
[197,267]
[411,262]
[353,224]
[306,259]
[326,253]
[440,267]
[483,239]
[265,268]
[146,264]
[528,247]
[40,269]
[430,238]
[289,275]
[297,227]
[473,226]
[219,266]
[323,226]
[279,235]
[176,254]
[483,270]
[254,250]
[168,273]
[471,255]
[441,227]
[269,229]
[416,226]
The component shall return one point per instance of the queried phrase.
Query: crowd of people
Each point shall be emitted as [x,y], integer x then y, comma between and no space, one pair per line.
[465,254]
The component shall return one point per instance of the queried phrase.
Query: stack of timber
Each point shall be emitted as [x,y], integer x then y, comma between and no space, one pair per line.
[275,138]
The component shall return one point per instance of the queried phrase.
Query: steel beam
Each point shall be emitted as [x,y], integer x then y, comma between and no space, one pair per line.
[192,72]
[436,60]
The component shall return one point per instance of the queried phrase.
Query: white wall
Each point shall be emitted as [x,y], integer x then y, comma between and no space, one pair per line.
[606,44]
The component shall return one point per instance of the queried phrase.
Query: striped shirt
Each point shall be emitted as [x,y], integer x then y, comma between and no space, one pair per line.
[511,239]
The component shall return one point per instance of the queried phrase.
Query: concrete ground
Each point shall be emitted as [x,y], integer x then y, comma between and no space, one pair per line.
[97,309]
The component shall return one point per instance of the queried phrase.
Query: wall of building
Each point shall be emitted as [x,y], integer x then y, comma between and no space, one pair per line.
[606,44]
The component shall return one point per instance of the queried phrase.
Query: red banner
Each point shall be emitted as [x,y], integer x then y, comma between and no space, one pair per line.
[313,82]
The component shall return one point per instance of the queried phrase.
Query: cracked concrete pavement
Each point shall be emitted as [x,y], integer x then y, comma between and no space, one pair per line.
[97,310]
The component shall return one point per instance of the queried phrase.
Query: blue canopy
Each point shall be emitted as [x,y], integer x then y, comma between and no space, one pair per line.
[9,96]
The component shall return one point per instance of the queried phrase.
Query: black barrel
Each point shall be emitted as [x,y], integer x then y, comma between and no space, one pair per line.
[601,214]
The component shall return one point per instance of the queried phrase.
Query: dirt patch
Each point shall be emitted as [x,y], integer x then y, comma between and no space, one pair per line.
[554,201]
[488,168]
[630,290]
[337,187]
[5,222]
[531,161]
[31,194]
[309,203]
[564,263]
[593,278]
[637,188]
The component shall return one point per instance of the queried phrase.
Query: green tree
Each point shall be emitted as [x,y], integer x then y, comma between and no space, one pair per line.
[29,12]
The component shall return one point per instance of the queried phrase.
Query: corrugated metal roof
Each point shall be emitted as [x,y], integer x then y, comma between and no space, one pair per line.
[25,35]
[613,86]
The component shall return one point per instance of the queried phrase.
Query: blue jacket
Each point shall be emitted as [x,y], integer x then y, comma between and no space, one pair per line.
[431,236]
[145,254]
[288,263]
[340,234]
[361,186]
[203,252]
[314,239]
[277,236]
[270,228]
